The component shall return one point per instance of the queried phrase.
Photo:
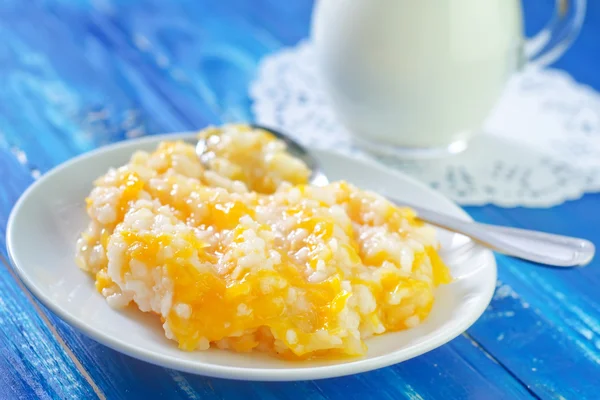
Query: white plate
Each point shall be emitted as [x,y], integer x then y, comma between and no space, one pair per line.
[46,221]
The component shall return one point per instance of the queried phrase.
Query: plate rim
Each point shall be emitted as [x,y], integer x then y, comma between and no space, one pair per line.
[359,365]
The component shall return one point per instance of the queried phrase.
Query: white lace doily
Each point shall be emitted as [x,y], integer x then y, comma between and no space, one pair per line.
[541,146]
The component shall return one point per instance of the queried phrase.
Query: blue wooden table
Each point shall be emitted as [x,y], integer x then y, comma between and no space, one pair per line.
[76,74]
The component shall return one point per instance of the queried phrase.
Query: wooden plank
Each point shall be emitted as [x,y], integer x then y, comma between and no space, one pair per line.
[422,377]
[40,128]
[218,48]
[549,318]
[32,360]
[459,369]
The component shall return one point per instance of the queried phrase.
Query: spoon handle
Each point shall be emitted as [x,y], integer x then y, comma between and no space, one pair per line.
[539,247]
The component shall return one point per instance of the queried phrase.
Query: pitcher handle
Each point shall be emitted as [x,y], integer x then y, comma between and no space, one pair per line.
[549,44]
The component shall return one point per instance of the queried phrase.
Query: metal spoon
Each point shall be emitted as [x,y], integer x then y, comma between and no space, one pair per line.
[539,247]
